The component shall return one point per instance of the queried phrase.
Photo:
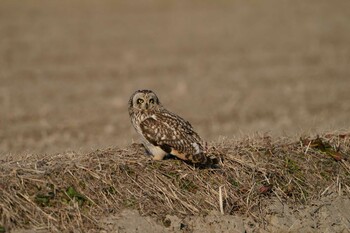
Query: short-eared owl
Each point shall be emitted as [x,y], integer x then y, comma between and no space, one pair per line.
[163,132]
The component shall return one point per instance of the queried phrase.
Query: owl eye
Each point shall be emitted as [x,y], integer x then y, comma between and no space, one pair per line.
[151,101]
[140,101]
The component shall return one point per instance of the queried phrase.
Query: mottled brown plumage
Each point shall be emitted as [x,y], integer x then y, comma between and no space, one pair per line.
[163,132]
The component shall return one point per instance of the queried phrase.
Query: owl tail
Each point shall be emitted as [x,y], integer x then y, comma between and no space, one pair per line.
[203,159]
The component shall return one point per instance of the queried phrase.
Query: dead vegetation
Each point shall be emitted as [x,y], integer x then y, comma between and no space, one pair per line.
[69,192]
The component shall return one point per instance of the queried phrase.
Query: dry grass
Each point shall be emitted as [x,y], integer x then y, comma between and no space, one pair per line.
[66,192]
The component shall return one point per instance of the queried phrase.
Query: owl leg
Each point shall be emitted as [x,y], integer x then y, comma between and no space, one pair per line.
[159,157]
[156,151]
[148,153]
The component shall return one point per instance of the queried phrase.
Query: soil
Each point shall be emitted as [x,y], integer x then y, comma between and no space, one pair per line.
[330,214]
[231,68]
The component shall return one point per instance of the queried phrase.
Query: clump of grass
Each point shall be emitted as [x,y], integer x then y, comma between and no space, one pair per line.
[66,192]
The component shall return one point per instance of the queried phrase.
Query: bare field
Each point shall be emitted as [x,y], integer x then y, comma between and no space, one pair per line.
[231,68]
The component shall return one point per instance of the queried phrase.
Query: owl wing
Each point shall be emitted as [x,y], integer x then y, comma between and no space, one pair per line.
[173,134]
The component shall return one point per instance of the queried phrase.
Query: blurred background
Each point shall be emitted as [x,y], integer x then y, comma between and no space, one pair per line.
[232,68]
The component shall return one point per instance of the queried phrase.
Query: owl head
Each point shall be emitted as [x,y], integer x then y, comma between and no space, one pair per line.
[144,100]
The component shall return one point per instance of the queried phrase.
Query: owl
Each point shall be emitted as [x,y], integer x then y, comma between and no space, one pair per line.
[163,132]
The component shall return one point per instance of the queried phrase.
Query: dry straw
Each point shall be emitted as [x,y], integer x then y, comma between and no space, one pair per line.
[70,192]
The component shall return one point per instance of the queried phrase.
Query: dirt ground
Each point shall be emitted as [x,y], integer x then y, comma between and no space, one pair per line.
[328,214]
[232,68]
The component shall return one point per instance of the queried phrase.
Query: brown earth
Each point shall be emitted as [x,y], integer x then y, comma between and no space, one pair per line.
[232,68]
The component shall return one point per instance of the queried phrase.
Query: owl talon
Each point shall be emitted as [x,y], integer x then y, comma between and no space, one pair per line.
[147,152]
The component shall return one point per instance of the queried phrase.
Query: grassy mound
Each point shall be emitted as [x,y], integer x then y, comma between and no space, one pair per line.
[68,191]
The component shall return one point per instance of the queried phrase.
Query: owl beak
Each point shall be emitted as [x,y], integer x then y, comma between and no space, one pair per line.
[146,105]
